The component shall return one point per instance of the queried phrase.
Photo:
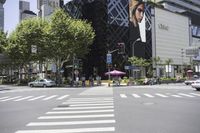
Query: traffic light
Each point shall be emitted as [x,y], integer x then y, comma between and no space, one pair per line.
[121,48]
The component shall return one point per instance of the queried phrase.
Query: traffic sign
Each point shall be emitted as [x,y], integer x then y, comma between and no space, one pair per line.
[109,59]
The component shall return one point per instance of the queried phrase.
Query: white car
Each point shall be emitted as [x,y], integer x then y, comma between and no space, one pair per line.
[42,83]
[196,85]
[190,81]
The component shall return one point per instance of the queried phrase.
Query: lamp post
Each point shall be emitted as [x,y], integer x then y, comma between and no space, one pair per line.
[133,46]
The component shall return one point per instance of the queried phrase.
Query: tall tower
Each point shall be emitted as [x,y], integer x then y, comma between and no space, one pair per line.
[46,7]
[2,14]
[24,10]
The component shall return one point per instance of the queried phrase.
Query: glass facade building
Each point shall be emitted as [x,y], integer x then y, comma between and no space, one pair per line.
[110,20]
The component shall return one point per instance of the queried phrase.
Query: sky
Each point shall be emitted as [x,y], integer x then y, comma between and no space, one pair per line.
[11,13]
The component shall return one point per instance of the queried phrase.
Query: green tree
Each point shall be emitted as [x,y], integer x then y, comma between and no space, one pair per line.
[30,32]
[68,37]
[140,62]
[3,41]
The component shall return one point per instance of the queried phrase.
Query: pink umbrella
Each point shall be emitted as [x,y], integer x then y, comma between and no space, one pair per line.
[115,73]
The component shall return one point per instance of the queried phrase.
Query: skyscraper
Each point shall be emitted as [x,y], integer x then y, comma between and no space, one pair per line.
[24,10]
[46,7]
[2,14]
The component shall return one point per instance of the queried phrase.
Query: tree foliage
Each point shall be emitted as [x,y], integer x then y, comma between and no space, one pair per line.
[3,40]
[136,61]
[69,36]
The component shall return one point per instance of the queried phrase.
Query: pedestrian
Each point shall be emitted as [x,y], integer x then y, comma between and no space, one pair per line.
[83,81]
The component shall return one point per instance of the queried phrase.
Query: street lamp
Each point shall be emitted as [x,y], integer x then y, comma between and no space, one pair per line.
[133,46]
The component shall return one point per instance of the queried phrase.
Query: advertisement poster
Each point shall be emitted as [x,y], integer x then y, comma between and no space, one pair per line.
[137,30]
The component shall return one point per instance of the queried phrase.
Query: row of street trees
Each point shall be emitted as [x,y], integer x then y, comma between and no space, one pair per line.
[148,64]
[56,39]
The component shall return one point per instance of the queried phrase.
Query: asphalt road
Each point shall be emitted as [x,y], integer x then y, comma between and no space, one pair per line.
[172,108]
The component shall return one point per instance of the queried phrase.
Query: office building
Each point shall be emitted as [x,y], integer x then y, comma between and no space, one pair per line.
[163,36]
[2,14]
[24,10]
[46,7]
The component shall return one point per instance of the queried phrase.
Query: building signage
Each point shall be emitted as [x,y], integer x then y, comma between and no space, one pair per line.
[191,52]
[163,27]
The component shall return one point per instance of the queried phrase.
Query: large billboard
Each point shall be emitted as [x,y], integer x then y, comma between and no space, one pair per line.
[171,36]
[137,30]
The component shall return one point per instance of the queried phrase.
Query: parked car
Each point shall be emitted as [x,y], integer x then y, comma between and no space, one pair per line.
[190,81]
[42,83]
[196,85]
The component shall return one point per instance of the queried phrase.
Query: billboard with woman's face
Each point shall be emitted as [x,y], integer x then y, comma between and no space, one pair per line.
[137,31]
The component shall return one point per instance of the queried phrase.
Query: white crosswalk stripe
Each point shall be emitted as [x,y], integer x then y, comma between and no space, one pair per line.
[80,108]
[148,95]
[176,96]
[80,112]
[165,95]
[76,116]
[33,99]
[77,130]
[77,102]
[3,97]
[62,97]
[48,98]
[80,117]
[123,96]
[161,95]
[182,94]
[195,94]
[70,123]
[10,98]
[23,98]
[136,96]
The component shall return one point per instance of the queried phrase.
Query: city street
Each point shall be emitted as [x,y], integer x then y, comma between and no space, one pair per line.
[172,108]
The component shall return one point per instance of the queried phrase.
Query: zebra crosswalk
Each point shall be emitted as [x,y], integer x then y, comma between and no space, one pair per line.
[32,98]
[77,115]
[161,95]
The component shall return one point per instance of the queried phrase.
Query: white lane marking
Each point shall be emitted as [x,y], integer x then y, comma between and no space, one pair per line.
[23,98]
[96,98]
[88,102]
[176,96]
[182,94]
[77,130]
[35,98]
[123,96]
[136,96]
[76,116]
[161,95]
[80,105]
[80,108]
[148,95]
[62,97]
[50,97]
[195,94]
[10,98]
[70,123]
[3,98]
[80,112]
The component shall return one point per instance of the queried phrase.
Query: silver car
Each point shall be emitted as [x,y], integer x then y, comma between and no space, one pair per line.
[42,83]
[196,85]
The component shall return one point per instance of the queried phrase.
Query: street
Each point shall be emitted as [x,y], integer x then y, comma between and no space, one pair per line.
[172,108]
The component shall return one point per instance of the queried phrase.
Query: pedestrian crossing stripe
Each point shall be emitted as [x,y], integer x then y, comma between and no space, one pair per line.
[77,130]
[70,123]
[32,98]
[166,95]
[80,112]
